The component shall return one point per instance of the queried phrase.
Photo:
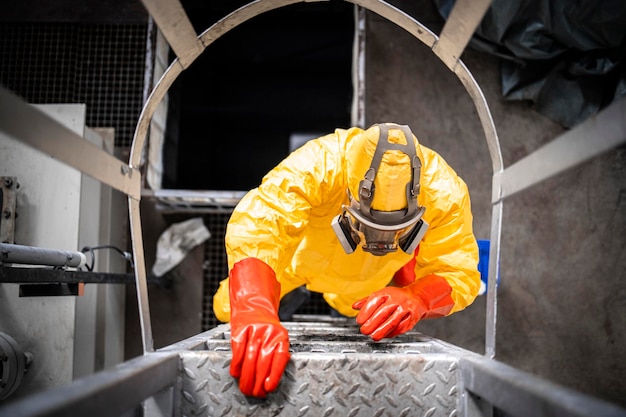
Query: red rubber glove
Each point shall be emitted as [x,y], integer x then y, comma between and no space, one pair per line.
[394,310]
[260,344]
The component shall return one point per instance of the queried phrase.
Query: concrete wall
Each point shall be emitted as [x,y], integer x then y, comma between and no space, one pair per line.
[48,208]
[60,208]
[562,302]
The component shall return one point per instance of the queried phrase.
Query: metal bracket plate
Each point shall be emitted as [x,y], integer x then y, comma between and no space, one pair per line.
[8,203]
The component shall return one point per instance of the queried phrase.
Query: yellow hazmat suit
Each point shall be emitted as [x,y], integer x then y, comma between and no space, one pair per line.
[286,223]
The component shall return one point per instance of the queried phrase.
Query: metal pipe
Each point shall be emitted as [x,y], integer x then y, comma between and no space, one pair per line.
[29,255]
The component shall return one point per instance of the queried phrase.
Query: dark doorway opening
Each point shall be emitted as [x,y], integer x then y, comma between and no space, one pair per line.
[233,111]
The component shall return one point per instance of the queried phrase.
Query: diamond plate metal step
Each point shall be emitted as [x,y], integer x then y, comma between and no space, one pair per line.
[334,371]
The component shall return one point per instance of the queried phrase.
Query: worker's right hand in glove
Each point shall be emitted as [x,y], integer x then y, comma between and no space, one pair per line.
[260,344]
[395,310]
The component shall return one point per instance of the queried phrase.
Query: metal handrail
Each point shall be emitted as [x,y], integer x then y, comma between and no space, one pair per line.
[157,379]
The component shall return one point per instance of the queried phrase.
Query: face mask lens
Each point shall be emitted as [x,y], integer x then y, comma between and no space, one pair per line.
[378,242]
[380,238]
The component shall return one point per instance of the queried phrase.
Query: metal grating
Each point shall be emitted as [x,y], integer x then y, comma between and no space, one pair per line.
[101,65]
[215,265]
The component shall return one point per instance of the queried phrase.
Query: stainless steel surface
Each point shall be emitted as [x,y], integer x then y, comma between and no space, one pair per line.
[8,199]
[35,128]
[30,255]
[140,275]
[596,135]
[173,21]
[112,392]
[464,18]
[193,201]
[492,273]
[324,384]
[334,371]
[520,395]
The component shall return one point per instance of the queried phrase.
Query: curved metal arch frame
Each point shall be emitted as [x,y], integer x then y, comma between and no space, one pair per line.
[448,49]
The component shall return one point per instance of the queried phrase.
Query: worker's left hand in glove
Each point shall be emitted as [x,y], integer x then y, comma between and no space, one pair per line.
[396,310]
[260,344]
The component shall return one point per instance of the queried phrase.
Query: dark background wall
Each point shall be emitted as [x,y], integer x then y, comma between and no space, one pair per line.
[286,71]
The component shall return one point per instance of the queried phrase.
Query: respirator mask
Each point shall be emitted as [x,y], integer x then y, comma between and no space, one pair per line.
[382,232]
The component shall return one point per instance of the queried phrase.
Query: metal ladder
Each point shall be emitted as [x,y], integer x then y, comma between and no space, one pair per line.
[334,370]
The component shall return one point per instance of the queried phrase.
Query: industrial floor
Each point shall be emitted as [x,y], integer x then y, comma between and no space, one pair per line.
[561,297]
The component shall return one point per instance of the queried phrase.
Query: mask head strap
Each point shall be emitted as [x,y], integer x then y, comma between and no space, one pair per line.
[366,186]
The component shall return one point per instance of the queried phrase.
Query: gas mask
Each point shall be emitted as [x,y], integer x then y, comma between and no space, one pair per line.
[383,232]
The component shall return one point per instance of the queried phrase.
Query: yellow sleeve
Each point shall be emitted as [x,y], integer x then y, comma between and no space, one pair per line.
[270,221]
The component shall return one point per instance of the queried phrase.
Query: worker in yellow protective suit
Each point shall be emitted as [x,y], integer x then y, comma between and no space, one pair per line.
[376,222]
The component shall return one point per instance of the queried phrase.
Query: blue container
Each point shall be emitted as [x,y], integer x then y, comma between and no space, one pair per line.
[483,265]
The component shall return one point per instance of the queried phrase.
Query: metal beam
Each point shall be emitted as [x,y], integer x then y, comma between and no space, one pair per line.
[194,201]
[15,275]
[464,18]
[400,18]
[519,394]
[141,281]
[30,125]
[109,393]
[596,135]
[172,20]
